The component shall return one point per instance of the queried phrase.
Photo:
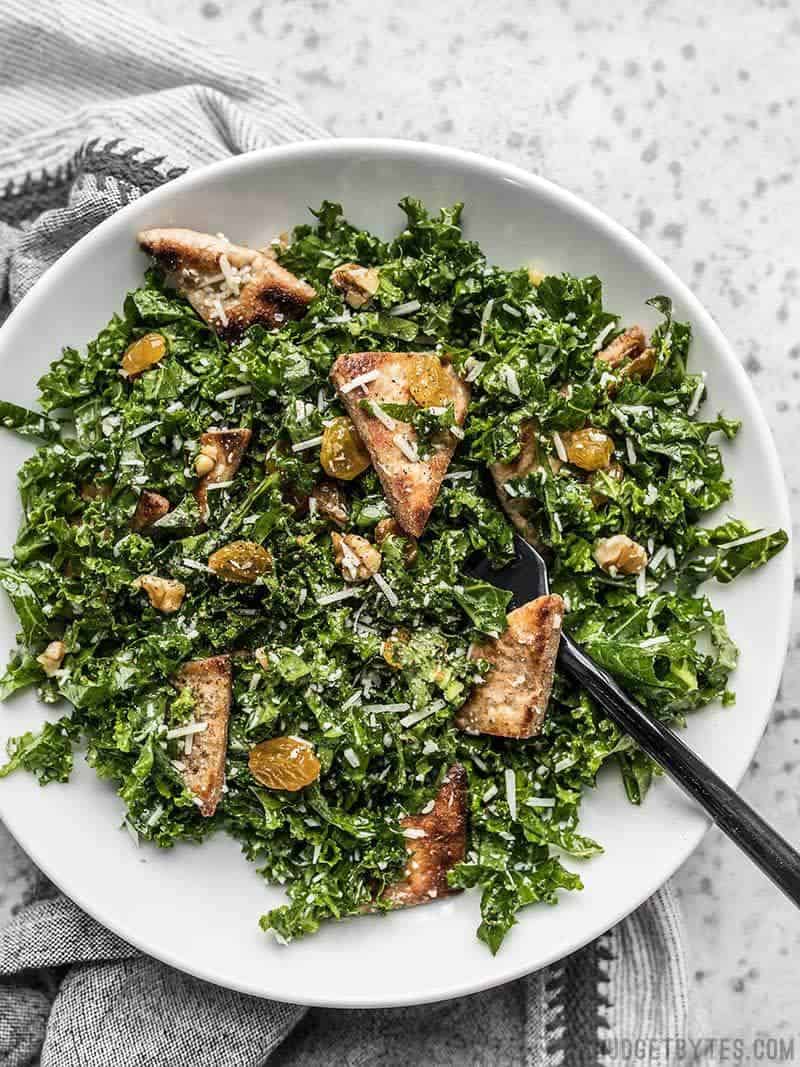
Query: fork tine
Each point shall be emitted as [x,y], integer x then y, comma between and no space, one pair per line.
[526,576]
[535,561]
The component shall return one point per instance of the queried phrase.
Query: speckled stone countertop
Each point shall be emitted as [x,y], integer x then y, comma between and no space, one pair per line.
[681,120]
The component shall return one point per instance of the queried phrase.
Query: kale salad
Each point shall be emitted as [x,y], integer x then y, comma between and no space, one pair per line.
[261,626]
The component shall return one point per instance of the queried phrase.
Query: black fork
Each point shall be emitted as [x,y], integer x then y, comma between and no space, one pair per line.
[527,578]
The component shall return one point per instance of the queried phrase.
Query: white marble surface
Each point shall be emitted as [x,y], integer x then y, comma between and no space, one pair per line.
[681,120]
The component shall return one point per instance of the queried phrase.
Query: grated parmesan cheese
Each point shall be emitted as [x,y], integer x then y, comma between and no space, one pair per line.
[405,309]
[511,792]
[312,442]
[381,416]
[144,429]
[512,381]
[657,559]
[408,448]
[360,380]
[641,582]
[561,451]
[485,316]
[386,589]
[334,598]
[417,716]
[694,403]
[475,368]
[185,731]
[757,536]
[231,394]
[132,831]
[196,565]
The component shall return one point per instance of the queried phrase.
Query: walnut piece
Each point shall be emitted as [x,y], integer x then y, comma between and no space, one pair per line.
[52,657]
[628,345]
[330,502]
[358,284]
[641,366]
[166,594]
[620,555]
[356,557]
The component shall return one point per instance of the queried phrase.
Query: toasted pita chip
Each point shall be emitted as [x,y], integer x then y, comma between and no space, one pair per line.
[512,700]
[230,286]
[441,845]
[227,449]
[628,345]
[411,486]
[150,507]
[209,681]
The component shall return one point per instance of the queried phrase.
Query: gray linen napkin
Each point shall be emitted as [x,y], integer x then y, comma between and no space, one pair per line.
[96,108]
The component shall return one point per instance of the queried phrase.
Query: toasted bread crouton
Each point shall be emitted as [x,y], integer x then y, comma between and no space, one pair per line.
[411,485]
[518,508]
[628,345]
[230,286]
[150,507]
[512,700]
[437,843]
[209,681]
[227,449]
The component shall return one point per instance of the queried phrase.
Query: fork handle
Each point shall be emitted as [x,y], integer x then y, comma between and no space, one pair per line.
[744,826]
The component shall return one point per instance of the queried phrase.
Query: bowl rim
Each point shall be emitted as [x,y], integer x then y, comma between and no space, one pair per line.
[619,235]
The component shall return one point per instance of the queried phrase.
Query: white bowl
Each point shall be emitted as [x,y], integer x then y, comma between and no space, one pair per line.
[196,908]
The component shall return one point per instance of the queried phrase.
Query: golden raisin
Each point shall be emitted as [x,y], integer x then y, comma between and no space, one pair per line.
[144,353]
[392,528]
[428,382]
[240,561]
[343,454]
[535,276]
[284,763]
[589,449]
[392,648]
